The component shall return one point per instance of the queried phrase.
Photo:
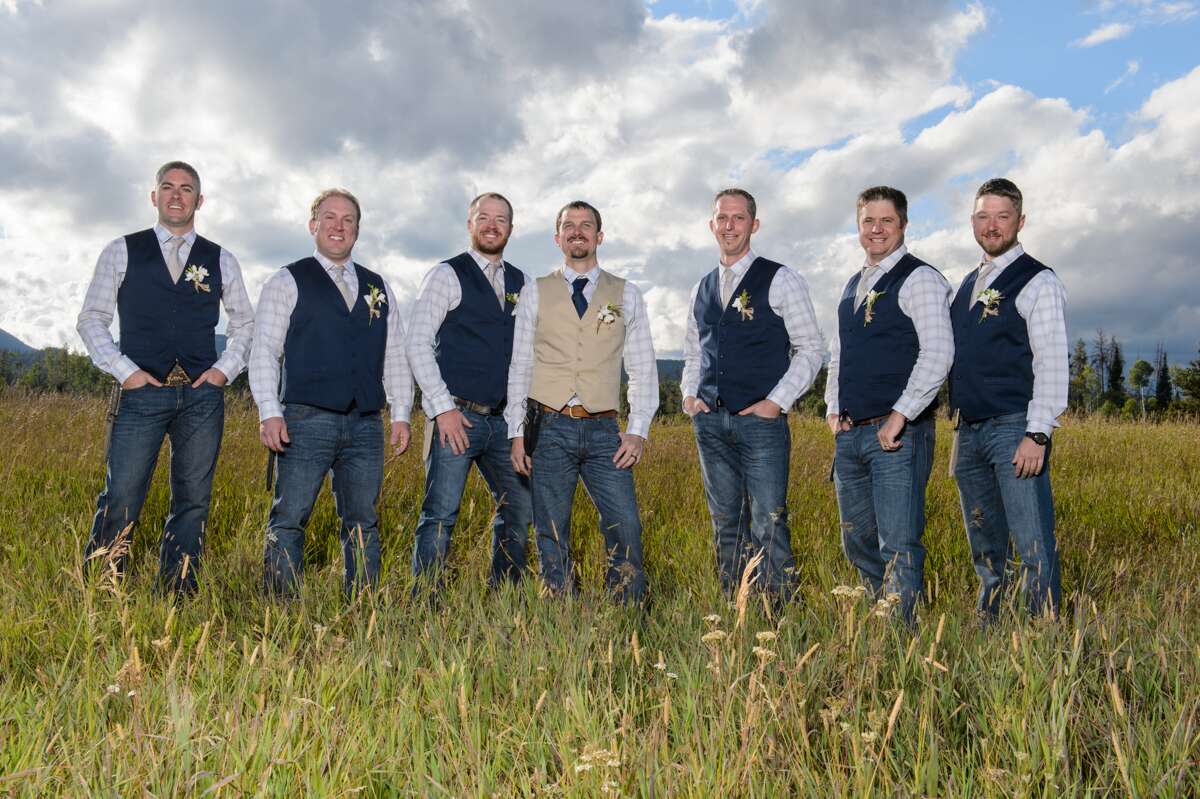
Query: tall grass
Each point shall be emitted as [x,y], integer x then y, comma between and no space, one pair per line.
[108,689]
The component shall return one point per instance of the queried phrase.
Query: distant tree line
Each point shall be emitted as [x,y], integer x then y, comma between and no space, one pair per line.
[1099,382]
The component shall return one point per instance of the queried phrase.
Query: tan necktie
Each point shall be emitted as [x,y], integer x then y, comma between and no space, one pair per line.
[339,280]
[173,265]
[495,276]
[868,272]
[984,271]
[726,286]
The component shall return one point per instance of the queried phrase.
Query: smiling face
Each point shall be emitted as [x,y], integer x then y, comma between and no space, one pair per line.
[732,224]
[335,228]
[578,236]
[177,200]
[489,226]
[996,223]
[880,229]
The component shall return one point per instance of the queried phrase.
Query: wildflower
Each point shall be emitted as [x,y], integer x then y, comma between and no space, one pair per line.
[764,653]
[764,635]
[713,636]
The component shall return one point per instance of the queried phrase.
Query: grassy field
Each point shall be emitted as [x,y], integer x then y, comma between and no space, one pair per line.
[109,690]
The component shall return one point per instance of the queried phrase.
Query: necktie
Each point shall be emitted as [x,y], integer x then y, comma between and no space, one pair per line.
[726,286]
[339,280]
[984,270]
[577,296]
[868,272]
[173,265]
[494,271]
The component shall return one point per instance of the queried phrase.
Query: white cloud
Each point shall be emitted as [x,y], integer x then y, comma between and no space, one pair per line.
[646,118]
[1131,69]
[1105,33]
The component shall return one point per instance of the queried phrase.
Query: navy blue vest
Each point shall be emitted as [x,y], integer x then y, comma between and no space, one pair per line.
[333,358]
[876,359]
[993,363]
[163,322]
[474,343]
[741,360]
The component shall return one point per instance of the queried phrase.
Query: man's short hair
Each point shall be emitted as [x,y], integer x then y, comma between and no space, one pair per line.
[325,195]
[580,204]
[184,165]
[489,195]
[751,206]
[895,196]
[1002,187]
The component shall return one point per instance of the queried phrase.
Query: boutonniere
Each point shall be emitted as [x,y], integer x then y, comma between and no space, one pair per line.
[608,314]
[511,298]
[374,299]
[991,303]
[741,304]
[195,275]
[869,314]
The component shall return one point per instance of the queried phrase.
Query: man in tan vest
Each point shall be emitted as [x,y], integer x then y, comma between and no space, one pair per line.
[575,326]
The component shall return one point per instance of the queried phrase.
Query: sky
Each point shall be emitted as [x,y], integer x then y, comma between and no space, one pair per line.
[645,109]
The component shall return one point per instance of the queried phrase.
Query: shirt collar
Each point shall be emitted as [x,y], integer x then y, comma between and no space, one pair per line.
[482,260]
[886,264]
[570,275]
[329,265]
[164,234]
[739,266]
[1007,257]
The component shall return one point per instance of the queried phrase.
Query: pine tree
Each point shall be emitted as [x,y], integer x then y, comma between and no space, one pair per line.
[1139,378]
[1100,356]
[1077,390]
[1164,392]
[1116,375]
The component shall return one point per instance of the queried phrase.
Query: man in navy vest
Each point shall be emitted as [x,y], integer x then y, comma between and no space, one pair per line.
[890,355]
[751,349]
[459,346]
[342,344]
[168,285]
[1007,389]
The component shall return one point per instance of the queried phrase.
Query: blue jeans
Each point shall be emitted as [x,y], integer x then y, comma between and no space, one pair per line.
[744,463]
[445,479]
[881,501]
[193,420]
[568,449]
[351,446]
[998,507]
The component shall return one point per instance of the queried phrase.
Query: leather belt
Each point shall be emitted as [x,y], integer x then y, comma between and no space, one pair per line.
[478,407]
[578,412]
[177,377]
[864,422]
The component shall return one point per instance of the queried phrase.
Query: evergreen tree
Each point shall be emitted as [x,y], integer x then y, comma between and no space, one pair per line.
[1187,380]
[1115,392]
[1164,392]
[1077,390]
[1100,357]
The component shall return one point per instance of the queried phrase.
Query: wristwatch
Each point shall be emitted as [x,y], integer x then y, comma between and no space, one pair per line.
[1041,439]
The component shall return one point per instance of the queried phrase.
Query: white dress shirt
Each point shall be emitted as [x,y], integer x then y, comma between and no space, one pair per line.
[440,293]
[1043,306]
[638,355]
[275,306]
[925,299]
[788,297]
[100,303]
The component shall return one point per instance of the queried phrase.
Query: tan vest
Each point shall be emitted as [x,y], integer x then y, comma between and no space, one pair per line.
[573,356]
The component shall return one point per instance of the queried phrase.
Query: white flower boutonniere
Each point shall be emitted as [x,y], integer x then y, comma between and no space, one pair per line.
[511,298]
[869,314]
[991,303]
[608,314]
[741,304]
[195,275]
[374,298]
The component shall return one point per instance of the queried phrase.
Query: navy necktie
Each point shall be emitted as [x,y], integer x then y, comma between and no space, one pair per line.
[577,297]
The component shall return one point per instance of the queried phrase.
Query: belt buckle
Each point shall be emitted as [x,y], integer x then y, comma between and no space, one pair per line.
[178,377]
[572,414]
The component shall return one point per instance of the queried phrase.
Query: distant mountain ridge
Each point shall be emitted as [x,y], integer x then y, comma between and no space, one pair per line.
[11,343]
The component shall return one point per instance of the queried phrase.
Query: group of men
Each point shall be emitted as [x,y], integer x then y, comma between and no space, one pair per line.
[522,378]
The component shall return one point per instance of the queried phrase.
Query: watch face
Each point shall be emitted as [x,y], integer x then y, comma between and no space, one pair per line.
[1040,439]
